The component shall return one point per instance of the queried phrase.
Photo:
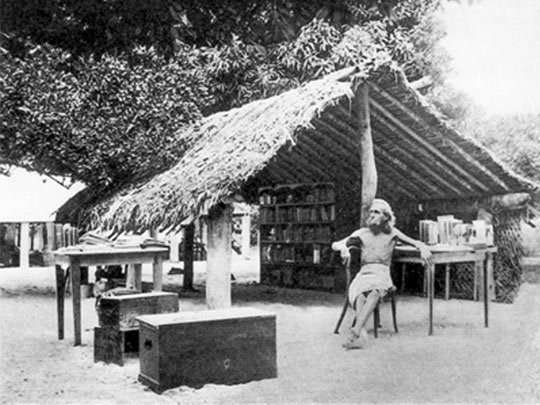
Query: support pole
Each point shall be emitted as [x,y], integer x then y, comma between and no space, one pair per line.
[367,156]
[48,257]
[218,265]
[157,266]
[189,236]
[246,235]
[24,252]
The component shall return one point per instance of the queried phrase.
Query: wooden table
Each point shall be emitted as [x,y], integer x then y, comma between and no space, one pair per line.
[74,258]
[482,257]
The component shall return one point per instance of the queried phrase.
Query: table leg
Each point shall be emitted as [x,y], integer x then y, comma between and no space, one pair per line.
[426,282]
[430,270]
[447,282]
[490,280]
[402,288]
[486,289]
[477,275]
[60,290]
[157,275]
[76,294]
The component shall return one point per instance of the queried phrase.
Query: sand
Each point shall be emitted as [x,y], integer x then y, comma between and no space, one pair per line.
[463,362]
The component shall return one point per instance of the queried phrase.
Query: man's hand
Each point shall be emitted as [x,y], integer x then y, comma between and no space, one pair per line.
[425,254]
[346,256]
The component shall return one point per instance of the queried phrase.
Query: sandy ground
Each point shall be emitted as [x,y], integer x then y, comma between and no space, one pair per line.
[462,363]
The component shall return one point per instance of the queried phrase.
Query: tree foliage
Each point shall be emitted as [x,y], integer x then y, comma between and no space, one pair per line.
[89,26]
[99,121]
[514,139]
[98,89]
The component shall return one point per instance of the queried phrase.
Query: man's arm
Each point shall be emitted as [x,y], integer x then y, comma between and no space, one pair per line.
[425,253]
[341,246]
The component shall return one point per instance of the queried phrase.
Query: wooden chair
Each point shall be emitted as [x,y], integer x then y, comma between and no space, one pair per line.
[391,295]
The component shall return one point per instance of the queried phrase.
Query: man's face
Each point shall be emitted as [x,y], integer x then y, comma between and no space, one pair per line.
[376,216]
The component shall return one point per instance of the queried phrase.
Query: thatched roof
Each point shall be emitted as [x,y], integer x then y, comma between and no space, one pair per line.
[311,134]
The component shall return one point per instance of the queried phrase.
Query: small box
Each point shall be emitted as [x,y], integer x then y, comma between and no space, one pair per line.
[225,346]
[121,311]
[111,344]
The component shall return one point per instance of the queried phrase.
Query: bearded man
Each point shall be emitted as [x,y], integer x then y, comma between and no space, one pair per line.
[377,242]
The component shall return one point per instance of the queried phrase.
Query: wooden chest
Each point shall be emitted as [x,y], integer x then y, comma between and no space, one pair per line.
[121,311]
[226,346]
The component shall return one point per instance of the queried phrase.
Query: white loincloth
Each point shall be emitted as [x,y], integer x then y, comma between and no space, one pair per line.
[372,276]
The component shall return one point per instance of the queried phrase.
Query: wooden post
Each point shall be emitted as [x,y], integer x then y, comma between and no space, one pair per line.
[189,236]
[24,252]
[157,273]
[134,277]
[218,265]
[50,236]
[58,237]
[367,156]
[48,257]
[246,235]
[157,267]
[38,237]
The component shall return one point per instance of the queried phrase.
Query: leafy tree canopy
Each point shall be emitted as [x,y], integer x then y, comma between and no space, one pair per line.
[97,90]
[98,121]
[514,139]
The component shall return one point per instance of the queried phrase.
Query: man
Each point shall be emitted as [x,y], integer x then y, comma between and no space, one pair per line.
[372,282]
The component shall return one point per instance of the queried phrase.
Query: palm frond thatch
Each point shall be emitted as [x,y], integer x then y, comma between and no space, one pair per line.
[310,133]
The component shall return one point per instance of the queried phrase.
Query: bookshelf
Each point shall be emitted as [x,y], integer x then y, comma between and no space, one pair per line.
[297,227]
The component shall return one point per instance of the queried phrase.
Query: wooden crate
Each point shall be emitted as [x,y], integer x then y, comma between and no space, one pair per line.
[121,311]
[111,344]
[227,346]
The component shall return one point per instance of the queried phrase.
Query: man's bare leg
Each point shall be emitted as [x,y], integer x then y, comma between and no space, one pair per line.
[359,305]
[363,312]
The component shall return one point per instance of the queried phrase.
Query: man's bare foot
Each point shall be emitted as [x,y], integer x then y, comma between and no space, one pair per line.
[359,343]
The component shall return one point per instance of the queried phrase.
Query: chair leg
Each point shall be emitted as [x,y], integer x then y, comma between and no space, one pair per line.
[375,320]
[393,303]
[343,311]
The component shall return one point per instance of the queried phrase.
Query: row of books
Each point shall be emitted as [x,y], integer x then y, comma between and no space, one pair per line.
[448,230]
[297,193]
[298,214]
[297,233]
[316,253]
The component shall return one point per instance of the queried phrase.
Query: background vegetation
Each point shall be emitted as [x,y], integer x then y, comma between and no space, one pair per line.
[97,90]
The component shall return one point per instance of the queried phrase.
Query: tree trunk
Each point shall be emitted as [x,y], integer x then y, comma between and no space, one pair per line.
[218,264]
[367,156]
